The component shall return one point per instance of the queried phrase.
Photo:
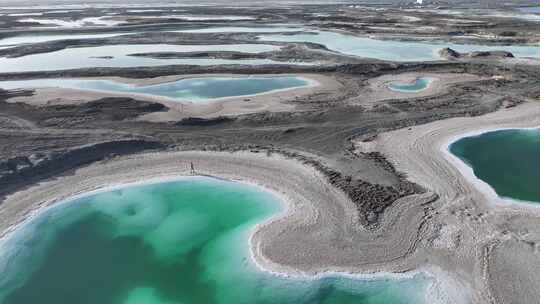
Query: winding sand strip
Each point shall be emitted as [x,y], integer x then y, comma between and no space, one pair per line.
[272,101]
[318,233]
[492,245]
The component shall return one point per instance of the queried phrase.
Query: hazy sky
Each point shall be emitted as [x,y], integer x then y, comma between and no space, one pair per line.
[169,2]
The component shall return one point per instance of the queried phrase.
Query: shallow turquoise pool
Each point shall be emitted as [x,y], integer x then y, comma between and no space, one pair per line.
[173,242]
[417,85]
[192,89]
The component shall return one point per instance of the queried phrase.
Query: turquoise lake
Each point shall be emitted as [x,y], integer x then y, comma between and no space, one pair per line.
[192,89]
[417,85]
[507,160]
[182,241]
[391,49]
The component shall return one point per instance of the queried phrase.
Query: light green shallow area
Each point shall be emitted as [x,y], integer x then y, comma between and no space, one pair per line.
[184,241]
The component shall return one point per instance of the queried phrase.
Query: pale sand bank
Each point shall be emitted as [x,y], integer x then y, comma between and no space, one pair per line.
[494,245]
[319,233]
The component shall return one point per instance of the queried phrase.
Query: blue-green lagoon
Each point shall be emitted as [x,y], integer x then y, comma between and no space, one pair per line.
[193,89]
[419,84]
[183,241]
[507,160]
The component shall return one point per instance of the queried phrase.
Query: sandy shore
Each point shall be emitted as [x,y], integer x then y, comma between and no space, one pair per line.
[491,244]
[319,233]
[273,101]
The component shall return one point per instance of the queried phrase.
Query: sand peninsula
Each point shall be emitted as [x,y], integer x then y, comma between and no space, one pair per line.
[492,241]
[322,233]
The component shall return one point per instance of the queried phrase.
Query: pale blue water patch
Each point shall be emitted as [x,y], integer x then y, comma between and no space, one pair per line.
[417,85]
[242,29]
[512,14]
[193,89]
[392,50]
[40,38]
[176,242]
[530,9]
[145,10]
[208,17]
[88,57]
[25,39]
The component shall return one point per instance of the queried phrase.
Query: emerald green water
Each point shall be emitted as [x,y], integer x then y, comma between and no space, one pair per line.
[176,242]
[507,160]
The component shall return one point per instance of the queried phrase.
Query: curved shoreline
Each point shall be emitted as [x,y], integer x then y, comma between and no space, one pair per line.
[310,83]
[470,235]
[246,168]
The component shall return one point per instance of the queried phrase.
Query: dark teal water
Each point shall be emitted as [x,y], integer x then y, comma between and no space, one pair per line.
[174,242]
[193,89]
[508,160]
